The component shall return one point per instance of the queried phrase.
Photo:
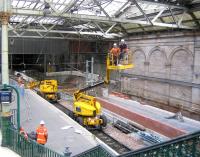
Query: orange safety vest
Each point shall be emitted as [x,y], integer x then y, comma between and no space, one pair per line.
[41,135]
[115,51]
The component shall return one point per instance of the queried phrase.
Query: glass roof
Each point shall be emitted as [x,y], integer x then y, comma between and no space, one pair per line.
[121,9]
[86,7]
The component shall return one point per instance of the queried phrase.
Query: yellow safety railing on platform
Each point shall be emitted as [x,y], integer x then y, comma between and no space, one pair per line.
[122,61]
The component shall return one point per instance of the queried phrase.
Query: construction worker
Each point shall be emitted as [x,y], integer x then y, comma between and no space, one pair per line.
[20,80]
[123,48]
[22,132]
[41,133]
[115,51]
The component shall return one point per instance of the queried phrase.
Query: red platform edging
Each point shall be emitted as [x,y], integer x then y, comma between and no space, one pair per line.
[156,125]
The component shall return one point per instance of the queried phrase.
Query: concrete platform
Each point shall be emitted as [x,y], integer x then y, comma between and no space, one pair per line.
[63,131]
[150,117]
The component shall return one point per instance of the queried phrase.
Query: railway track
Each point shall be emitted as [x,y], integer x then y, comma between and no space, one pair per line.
[111,142]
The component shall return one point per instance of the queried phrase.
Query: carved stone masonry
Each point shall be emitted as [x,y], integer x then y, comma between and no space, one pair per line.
[4,18]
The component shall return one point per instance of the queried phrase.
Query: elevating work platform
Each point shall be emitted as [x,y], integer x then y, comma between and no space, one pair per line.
[115,63]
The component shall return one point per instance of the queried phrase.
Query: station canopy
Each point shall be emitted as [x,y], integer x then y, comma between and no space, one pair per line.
[100,19]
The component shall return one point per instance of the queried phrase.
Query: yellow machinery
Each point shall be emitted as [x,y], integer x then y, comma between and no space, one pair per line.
[86,109]
[48,89]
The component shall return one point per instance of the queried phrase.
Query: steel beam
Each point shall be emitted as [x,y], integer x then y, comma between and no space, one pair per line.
[99,5]
[28,12]
[111,28]
[142,11]
[164,3]
[117,13]
[69,6]
[99,27]
[70,32]
[158,15]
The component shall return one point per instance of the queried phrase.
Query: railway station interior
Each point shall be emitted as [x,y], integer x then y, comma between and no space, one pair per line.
[100,78]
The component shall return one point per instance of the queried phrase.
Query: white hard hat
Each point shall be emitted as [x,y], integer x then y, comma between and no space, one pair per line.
[122,40]
[42,122]
[115,44]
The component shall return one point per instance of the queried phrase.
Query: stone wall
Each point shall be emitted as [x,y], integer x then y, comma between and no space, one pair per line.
[167,69]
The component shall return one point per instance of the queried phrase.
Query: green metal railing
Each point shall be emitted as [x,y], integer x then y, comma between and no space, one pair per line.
[14,117]
[27,148]
[97,151]
[184,146]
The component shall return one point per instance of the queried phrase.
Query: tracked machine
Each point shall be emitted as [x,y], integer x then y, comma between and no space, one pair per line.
[86,110]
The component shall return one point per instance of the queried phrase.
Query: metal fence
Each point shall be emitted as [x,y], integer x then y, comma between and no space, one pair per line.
[97,151]
[27,148]
[14,117]
[185,146]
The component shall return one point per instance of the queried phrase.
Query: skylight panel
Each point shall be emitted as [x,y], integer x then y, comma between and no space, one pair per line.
[32,5]
[57,7]
[62,7]
[113,7]
[27,4]
[30,19]
[55,1]
[20,4]
[39,6]
[62,1]
[14,3]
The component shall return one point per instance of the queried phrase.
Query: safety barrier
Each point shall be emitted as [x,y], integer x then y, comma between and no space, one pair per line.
[184,146]
[27,148]
[124,58]
[14,117]
[97,151]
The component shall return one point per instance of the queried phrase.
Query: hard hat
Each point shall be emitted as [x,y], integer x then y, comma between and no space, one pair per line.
[122,40]
[115,44]
[42,122]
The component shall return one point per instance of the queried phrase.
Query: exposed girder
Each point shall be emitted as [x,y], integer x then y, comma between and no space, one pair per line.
[81,17]
[167,3]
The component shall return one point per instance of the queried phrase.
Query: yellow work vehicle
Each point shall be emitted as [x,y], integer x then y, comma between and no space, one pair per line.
[48,89]
[86,110]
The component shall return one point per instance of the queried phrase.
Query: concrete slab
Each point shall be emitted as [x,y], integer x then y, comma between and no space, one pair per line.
[63,131]
[150,117]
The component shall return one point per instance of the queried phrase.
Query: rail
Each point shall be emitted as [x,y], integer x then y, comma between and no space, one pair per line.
[123,58]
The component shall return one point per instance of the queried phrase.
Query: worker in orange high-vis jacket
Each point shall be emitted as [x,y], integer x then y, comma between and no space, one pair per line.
[23,133]
[115,51]
[41,133]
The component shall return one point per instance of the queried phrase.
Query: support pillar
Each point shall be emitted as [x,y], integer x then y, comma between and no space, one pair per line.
[5,10]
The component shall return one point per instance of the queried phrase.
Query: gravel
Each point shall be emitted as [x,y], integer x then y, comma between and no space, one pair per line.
[131,141]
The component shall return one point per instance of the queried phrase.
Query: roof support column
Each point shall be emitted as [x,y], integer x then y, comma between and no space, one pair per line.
[5,9]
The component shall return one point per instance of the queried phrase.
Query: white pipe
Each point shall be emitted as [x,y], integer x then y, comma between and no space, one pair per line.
[4,56]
